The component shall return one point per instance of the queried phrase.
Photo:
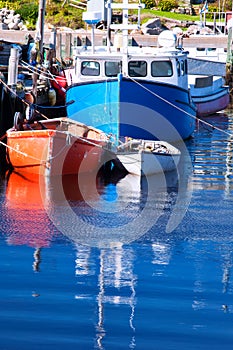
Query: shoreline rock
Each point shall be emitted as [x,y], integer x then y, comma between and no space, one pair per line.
[9,20]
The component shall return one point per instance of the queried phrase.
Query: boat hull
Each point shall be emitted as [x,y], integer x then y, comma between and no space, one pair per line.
[209,94]
[139,109]
[211,104]
[145,163]
[50,152]
[146,157]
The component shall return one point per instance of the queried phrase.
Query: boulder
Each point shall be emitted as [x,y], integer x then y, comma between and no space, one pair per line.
[152,27]
[11,20]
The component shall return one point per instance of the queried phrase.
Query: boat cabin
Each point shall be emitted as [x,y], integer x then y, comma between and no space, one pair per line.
[167,68]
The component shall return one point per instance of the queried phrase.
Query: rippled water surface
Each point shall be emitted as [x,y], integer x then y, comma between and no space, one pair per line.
[120,263]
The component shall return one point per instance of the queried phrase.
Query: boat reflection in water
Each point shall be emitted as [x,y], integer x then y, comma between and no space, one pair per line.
[27,221]
[212,160]
[116,212]
[114,267]
[115,285]
[91,208]
[101,293]
[88,209]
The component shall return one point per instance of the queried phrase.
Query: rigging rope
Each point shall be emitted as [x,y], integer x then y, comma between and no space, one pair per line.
[180,109]
[89,142]
[22,100]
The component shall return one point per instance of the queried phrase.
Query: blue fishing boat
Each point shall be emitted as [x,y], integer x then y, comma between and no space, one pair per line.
[138,92]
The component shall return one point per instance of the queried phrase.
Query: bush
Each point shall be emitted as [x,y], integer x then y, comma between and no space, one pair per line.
[29,14]
[167,5]
[149,4]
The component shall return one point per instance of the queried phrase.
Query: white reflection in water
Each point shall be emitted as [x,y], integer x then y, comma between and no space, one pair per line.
[162,253]
[116,283]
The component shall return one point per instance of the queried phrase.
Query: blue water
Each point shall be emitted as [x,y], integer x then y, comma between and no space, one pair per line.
[123,264]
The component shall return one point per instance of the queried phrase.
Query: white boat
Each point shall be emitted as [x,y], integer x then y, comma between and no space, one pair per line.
[147,157]
[207,72]
[206,53]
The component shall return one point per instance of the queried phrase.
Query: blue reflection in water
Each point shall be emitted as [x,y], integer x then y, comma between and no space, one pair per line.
[161,291]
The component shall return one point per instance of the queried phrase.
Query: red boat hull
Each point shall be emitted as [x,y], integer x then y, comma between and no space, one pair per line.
[53,152]
[206,108]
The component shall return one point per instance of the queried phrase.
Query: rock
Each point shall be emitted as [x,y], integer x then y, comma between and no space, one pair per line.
[152,23]
[7,20]
[20,25]
[195,29]
[13,26]
[152,27]
[11,20]
[3,26]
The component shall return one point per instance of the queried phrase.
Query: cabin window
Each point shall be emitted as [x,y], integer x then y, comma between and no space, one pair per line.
[161,69]
[90,68]
[137,68]
[211,50]
[112,69]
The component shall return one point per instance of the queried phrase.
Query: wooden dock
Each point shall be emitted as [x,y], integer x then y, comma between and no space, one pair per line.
[65,40]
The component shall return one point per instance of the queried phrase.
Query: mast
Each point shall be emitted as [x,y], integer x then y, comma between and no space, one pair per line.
[39,39]
[41,17]
[125,26]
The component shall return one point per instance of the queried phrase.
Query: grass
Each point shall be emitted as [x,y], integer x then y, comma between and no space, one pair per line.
[163,14]
[148,14]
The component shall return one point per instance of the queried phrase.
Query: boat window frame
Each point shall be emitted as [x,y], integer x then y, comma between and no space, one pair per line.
[119,62]
[183,67]
[90,69]
[178,67]
[200,49]
[160,75]
[134,64]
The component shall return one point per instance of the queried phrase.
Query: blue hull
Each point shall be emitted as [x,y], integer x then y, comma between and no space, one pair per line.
[140,109]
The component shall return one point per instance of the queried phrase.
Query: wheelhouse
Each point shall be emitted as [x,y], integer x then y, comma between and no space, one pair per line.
[167,69]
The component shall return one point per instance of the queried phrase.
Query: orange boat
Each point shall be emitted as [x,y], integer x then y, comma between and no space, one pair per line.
[57,146]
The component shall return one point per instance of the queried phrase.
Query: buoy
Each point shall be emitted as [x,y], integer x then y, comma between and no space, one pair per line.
[29,97]
[118,41]
[52,96]
[61,79]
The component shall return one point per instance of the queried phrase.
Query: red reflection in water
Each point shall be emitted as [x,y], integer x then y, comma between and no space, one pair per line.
[28,221]
[26,195]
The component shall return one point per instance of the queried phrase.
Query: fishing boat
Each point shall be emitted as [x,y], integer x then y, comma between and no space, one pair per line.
[209,93]
[206,76]
[147,157]
[58,146]
[139,92]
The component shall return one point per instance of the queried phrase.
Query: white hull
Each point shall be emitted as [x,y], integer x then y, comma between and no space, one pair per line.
[145,162]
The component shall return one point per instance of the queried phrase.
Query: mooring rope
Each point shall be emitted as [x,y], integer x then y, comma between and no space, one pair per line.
[68,144]
[180,109]
[47,74]
[20,152]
